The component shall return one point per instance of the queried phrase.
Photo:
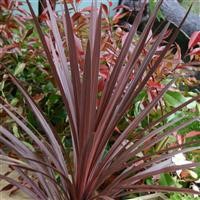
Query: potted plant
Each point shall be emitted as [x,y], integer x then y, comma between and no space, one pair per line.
[95,167]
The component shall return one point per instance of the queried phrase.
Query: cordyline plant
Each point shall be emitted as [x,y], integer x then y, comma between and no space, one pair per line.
[94,171]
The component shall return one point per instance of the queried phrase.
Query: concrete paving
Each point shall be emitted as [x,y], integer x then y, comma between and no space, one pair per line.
[5,194]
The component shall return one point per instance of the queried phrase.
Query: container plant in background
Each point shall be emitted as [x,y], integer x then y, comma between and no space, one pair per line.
[29,64]
[96,166]
[22,53]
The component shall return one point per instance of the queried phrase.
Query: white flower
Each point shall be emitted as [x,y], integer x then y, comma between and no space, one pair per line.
[195,188]
[179,159]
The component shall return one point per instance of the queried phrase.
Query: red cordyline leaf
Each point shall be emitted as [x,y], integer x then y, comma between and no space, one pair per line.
[156,188]
[79,47]
[93,172]
[194,39]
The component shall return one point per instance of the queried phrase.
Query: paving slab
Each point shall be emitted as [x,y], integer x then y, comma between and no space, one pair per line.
[4,195]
